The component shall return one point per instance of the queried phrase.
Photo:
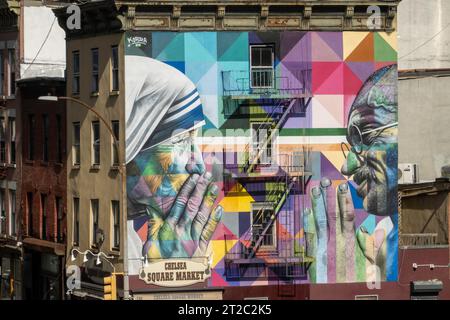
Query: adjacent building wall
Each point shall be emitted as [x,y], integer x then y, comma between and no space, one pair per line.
[87,182]
[423,34]
[424,43]
[424,117]
[43,43]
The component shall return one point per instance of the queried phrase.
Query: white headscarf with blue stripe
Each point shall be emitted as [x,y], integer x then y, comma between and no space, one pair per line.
[160,102]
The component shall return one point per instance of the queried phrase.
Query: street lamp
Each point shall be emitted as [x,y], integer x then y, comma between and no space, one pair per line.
[122,173]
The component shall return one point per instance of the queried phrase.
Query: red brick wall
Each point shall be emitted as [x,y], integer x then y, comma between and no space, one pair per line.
[39,176]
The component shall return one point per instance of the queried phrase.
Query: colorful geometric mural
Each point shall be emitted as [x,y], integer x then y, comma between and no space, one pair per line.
[272,156]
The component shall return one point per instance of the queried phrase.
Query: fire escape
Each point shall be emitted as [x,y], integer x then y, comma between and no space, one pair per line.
[270,101]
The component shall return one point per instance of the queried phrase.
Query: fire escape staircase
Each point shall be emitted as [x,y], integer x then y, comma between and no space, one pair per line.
[277,197]
[279,116]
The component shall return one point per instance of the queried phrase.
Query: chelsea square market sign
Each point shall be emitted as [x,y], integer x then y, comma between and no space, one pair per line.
[175,273]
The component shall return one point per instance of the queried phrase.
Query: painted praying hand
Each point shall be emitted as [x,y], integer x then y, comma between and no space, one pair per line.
[188,227]
[341,253]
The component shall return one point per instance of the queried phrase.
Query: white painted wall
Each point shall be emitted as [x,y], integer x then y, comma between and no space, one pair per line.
[418,22]
[424,103]
[424,124]
[51,59]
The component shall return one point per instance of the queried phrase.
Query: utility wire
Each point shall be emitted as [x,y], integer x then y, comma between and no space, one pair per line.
[42,45]
[426,42]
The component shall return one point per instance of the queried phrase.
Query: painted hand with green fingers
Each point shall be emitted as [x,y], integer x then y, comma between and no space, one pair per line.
[341,253]
[188,227]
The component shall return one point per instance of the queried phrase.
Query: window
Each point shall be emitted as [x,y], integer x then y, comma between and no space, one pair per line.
[44,216]
[59,217]
[76,221]
[45,131]
[94,70]
[95,142]
[12,71]
[114,68]
[115,208]
[3,212]
[12,212]
[261,215]
[261,66]
[261,142]
[2,73]
[2,141]
[76,143]
[30,213]
[58,139]
[12,134]
[31,137]
[76,72]
[115,153]
[94,212]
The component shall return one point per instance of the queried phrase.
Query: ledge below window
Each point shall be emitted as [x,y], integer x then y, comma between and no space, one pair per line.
[75,167]
[114,93]
[94,167]
[94,94]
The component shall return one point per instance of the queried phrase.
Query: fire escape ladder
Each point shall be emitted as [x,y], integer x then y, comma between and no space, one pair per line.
[280,199]
[253,161]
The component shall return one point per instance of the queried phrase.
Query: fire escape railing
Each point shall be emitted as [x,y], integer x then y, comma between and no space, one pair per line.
[238,83]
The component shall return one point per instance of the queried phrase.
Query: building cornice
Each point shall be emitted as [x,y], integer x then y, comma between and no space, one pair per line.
[258,15]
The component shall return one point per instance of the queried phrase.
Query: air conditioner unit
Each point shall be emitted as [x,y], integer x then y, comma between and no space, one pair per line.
[408,173]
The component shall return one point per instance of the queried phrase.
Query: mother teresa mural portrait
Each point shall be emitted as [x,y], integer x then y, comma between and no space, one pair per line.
[171,196]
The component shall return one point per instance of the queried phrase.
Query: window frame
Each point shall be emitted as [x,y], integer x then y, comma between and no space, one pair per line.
[76,143]
[115,215]
[31,136]
[268,159]
[12,212]
[115,125]
[59,217]
[76,72]
[59,144]
[95,144]
[262,68]
[256,206]
[30,214]
[114,71]
[45,137]
[3,153]
[3,213]
[95,215]
[12,140]
[95,55]
[44,215]
[2,72]
[76,221]
[11,81]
